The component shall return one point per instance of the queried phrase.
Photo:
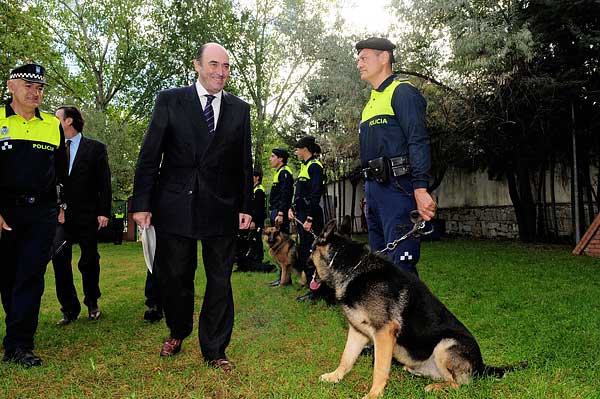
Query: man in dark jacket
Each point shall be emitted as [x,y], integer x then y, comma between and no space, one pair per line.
[193,182]
[88,199]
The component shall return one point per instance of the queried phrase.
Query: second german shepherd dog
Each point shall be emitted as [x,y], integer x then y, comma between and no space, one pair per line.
[398,313]
[283,251]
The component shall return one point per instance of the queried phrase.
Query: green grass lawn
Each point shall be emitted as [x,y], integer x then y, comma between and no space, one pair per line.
[523,303]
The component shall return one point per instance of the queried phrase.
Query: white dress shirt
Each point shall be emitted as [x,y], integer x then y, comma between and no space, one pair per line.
[216,102]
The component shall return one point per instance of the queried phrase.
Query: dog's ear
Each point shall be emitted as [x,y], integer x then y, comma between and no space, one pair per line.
[329,230]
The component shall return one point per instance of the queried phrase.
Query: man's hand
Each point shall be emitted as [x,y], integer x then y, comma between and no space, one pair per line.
[279,219]
[245,220]
[307,225]
[3,225]
[61,216]
[291,214]
[142,219]
[252,226]
[102,222]
[425,204]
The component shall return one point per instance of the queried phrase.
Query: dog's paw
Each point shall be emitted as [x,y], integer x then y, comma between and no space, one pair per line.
[441,386]
[331,377]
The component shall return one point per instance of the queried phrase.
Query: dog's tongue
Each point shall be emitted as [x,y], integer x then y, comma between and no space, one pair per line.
[314,284]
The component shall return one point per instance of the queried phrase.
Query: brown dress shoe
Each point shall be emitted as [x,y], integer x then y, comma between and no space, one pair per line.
[222,364]
[170,347]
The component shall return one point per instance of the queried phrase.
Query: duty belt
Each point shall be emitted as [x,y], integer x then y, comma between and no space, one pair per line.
[27,200]
[383,168]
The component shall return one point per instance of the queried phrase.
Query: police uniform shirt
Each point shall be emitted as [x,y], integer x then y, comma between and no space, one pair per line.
[309,190]
[216,102]
[282,190]
[397,128]
[258,206]
[32,153]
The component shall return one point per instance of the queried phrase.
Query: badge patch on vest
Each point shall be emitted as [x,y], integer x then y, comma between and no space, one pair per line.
[378,121]
[46,147]
[4,130]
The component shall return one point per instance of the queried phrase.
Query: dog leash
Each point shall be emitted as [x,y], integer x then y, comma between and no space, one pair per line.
[417,230]
[302,223]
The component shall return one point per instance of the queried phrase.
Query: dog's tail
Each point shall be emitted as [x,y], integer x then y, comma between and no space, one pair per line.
[498,372]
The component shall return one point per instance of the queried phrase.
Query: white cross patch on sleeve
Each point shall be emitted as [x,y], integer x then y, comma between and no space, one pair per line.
[6,146]
[406,256]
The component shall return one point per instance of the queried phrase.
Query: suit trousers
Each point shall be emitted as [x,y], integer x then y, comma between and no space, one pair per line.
[24,252]
[89,266]
[175,265]
[152,292]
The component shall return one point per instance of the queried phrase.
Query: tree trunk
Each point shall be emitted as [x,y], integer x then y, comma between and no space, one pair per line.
[542,224]
[553,196]
[519,188]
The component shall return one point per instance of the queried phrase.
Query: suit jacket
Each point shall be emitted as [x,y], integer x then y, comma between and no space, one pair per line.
[87,188]
[195,183]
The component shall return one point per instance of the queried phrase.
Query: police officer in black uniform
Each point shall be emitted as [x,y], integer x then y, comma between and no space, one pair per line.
[118,226]
[307,209]
[394,152]
[33,161]
[251,254]
[282,190]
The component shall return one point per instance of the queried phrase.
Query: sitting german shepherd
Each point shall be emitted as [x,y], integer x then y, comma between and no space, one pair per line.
[397,312]
[283,251]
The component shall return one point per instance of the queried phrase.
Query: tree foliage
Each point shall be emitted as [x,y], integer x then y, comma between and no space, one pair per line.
[23,38]
[279,43]
[509,70]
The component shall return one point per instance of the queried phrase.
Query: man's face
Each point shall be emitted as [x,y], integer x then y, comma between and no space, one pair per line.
[213,69]
[65,123]
[25,94]
[371,63]
[275,161]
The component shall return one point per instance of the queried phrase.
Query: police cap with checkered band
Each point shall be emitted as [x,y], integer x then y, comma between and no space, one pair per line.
[33,73]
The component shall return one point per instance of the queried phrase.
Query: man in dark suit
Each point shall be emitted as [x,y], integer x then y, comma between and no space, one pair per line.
[88,207]
[193,182]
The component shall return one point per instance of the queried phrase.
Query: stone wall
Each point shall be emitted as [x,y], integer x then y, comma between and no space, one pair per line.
[495,221]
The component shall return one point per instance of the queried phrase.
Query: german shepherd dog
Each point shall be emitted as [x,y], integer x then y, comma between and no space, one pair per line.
[283,251]
[399,314]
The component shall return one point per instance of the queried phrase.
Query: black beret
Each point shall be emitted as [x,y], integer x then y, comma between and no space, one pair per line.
[305,142]
[375,43]
[281,153]
[30,72]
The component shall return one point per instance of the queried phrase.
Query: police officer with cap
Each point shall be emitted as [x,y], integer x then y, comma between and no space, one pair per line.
[394,152]
[33,162]
[307,210]
[282,189]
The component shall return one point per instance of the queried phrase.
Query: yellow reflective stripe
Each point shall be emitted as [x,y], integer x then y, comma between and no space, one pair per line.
[15,127]
[304,169]
[259,187]
[119,215]
[380,102]
[276,175]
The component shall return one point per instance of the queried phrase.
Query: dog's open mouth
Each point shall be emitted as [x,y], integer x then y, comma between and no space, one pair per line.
[315,283]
